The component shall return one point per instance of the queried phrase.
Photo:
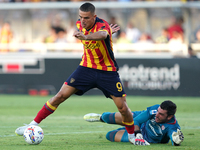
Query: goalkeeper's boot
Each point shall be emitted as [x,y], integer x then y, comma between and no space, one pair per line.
[92,117]
[20,131]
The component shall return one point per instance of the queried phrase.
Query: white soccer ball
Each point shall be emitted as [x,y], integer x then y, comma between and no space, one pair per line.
[33,135]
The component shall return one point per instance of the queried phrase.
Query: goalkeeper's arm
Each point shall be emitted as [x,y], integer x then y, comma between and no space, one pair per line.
[177,137]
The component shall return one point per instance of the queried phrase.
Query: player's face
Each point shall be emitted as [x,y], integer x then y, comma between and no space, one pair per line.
[161,116]
[87,19]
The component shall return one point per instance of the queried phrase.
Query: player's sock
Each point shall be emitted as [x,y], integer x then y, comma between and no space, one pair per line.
[46,110]
[108,118]
[129,126]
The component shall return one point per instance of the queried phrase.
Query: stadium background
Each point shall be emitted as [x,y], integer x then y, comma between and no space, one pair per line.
[28,65]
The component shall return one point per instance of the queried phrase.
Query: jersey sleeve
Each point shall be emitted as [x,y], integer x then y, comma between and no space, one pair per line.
[145,115]
[141,118]
[105,27]
[171,130]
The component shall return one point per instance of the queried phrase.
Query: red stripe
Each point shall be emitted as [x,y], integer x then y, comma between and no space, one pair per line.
[85,59]
[110,60]
[173,122]
[141,140]
[92,60]
[101,59]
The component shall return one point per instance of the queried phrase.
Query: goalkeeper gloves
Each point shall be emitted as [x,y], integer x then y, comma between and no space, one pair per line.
[177,137]
[137,139]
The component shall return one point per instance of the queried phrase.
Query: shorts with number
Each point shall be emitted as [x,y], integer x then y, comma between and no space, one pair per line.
[108,82]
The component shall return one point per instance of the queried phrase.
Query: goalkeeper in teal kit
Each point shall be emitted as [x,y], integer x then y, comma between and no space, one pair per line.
[156,124]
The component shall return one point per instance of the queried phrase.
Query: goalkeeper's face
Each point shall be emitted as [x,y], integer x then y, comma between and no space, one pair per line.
[161,116]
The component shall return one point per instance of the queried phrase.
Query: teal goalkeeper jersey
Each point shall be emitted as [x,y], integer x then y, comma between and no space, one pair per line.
[155,132]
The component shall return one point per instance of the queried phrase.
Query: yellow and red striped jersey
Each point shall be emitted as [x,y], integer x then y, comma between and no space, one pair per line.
[98,54]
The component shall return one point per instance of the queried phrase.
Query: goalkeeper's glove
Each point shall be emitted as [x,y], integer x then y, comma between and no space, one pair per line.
[139,140]
[177,137]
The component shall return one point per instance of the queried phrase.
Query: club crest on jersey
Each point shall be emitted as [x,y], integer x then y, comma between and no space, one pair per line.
[163,127]
[72,80]
[153,112]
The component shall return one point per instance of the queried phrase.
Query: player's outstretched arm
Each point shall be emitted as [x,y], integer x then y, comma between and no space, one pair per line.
[100,35]
[115,28]
[177,137]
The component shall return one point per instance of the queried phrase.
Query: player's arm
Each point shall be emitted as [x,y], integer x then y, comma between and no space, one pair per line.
[114,28]
[99,35]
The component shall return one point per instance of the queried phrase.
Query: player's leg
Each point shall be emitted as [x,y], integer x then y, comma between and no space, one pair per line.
[112,118]
[119,135]
[126,114]
[107,117]
[82,79]
[50,106]
[112,87]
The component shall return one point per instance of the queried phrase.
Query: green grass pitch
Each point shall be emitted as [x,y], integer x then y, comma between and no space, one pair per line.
[66,129]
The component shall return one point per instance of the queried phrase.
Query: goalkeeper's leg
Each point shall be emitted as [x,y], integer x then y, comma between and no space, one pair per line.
[112,118]
[118,135]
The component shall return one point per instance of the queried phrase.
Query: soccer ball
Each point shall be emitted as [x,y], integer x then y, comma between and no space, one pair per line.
[33,135]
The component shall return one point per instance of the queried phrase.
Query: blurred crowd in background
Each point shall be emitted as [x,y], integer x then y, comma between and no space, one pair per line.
[57,26]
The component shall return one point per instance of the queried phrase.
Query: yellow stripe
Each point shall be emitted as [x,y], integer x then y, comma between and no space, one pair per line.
[128,123]
[89,64]
[50,106]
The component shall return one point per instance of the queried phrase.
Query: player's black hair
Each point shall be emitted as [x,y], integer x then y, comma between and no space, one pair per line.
[87,7]
[169,106]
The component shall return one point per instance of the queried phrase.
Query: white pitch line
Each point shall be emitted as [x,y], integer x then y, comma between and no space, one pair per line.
[61,133]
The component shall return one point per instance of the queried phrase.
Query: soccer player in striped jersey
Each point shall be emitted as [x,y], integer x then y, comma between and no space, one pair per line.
[97,69]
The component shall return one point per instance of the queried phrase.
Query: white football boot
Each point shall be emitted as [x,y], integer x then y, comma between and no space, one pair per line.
[131,138]
[92,117]
[20,131]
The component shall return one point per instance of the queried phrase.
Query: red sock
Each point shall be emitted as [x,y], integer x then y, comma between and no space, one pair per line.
[129,127]
[46,110]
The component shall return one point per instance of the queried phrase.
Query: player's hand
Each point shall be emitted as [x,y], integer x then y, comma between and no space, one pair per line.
[177,137]
[114,28]
[140,141]
[79,35]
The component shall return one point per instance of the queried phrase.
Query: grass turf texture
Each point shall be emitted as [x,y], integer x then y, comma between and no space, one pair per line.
[66,129]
